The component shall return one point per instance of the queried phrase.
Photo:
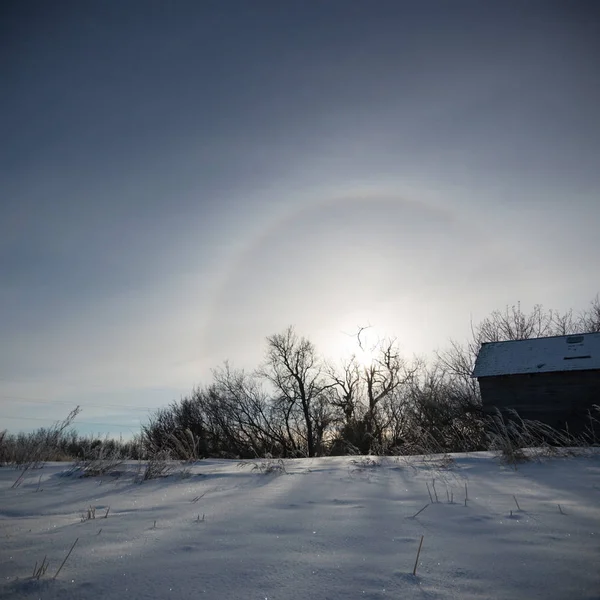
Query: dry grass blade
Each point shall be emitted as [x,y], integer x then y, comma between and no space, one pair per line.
[41,570]
[418,513]
[434,490]
[418,554]
[520,440]
[66,557]
[429,492]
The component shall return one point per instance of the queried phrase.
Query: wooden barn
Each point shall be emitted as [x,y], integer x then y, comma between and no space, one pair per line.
[555,380]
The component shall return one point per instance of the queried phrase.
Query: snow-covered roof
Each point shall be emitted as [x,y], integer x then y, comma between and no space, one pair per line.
[539,355]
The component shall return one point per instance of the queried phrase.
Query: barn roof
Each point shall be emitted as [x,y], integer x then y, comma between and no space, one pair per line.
[539,355]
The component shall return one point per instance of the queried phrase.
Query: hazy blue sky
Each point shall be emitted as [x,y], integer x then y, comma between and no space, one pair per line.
[179,180]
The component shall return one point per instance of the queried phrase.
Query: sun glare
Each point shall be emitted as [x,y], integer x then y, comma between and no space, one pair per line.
[361,343]
[365,356]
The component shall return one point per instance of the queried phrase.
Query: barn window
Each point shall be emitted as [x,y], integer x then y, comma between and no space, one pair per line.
[575,339]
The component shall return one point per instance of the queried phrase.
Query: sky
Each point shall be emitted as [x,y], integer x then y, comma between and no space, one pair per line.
[180,180]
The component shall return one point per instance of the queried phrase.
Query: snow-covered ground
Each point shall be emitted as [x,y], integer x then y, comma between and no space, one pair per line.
[329,528]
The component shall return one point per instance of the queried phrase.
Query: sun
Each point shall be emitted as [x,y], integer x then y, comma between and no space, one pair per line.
[365,356]
[361,344]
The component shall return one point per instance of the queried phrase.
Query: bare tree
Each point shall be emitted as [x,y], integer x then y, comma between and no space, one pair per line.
[383,376]
[457,362]
[293,367]
[361,389]
[589,321]
[323,417]
[258,424]
[563,324]
[347,388]
[514,324]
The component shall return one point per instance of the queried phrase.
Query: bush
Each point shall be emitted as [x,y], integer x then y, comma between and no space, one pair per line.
[159,465]
[101,460]
[518,440]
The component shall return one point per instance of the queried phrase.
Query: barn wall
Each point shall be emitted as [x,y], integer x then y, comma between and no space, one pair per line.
[553,398]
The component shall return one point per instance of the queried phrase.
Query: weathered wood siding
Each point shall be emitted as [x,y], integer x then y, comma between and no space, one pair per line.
[553,398]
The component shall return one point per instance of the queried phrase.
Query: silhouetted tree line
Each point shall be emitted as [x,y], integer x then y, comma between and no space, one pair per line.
[299,404]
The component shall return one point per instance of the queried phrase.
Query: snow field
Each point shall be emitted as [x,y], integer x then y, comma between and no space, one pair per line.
[328,528]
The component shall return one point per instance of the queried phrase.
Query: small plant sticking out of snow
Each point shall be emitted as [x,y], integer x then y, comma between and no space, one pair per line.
[40,571]
[100,462]
[268,466]
[418,512]
[520,440]
[89,514]
[446,462]
[434,490]
[159,465]
[186,445]
[65,560]
[185,473]
[418,554]
[365,462]
[429,492]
